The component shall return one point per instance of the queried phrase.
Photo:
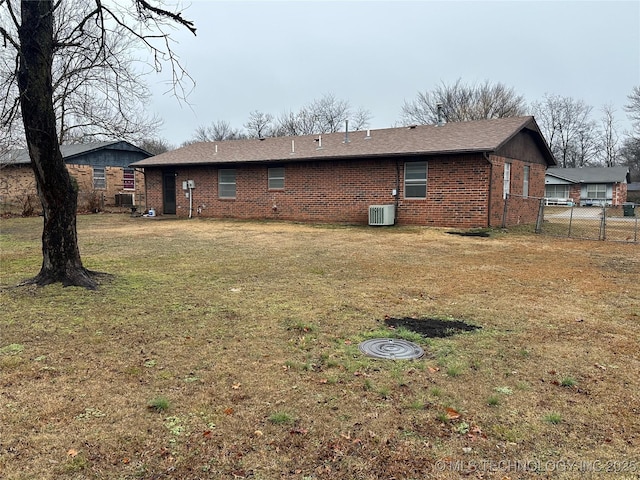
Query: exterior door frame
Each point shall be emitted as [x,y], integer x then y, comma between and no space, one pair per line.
[168,192]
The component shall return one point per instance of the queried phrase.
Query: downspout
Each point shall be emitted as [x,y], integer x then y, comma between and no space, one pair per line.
[489,196]
[397,201]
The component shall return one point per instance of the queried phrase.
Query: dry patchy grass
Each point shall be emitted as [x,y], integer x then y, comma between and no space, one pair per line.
[227,349]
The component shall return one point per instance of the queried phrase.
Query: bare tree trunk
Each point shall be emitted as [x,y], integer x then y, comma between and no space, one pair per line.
[58,193]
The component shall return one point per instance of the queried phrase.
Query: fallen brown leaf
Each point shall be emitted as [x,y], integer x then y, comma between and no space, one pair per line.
[452,414]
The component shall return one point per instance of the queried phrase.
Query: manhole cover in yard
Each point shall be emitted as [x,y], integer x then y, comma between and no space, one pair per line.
[391,349]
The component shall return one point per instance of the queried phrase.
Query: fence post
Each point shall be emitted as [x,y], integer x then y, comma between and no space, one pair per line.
[603,223]
[504,213]
[540,219]
[570,220]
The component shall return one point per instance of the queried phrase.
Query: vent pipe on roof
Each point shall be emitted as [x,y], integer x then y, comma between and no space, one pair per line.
[346,131]
[440,114]
[368,135]
[216,149]
[293,146]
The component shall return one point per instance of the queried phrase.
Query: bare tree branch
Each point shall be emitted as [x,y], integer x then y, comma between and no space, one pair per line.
[462,103]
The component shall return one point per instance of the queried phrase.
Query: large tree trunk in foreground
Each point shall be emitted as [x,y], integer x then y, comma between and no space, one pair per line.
[58,194]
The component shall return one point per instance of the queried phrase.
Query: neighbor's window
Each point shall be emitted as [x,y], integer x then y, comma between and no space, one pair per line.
[525,182]
[597,190]
[276,178]
[507,180]
[129,178]
[556,191]
[415,180]
[99,178]
[227,183]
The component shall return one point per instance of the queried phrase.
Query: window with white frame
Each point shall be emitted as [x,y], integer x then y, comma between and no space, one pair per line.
[597,191]
[525,181]
[276,178]
[99,178]
[129,178]
[506,189]
[556,191]
[227,183]
[415,180]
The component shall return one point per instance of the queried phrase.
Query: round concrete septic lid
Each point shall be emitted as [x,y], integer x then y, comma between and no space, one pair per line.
[391,349]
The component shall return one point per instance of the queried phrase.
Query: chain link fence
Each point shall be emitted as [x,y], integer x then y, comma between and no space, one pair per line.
[618,224]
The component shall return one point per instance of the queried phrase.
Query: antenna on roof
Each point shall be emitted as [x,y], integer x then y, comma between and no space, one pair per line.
[440,114]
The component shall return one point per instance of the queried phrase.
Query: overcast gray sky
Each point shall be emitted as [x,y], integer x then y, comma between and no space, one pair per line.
[275,56]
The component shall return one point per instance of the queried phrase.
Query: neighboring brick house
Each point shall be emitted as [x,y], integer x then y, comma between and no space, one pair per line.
[586,186]
[99,168]
[457,175]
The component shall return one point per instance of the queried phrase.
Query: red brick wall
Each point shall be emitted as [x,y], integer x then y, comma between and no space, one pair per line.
[520,210]
[19,180]
[619,194]
[16,180]
[575,192]
[341,192]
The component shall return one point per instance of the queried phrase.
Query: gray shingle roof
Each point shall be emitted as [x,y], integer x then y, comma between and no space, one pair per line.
[591,174]
[461,137]
[20,157]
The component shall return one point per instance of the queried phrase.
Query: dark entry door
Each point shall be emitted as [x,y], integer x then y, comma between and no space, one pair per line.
[169,193]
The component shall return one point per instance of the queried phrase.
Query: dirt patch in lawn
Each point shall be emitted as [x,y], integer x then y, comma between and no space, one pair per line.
[431,327]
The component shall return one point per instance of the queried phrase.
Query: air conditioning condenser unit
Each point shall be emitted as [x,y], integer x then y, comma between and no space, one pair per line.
[382,214]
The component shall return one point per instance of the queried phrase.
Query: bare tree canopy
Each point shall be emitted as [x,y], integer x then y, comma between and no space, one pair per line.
[462,102]
[567,125]
[34,32]
[155,146]
[215,132]
[633,108]
[98,82]
[327,114]
[630,156]
[259,125]
[608,148]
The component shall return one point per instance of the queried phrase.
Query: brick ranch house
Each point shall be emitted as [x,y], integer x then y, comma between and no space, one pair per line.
[100,168]
[454,175]
[586,186]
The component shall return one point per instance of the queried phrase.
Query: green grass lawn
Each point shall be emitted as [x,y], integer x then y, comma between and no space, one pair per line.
[223,349]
